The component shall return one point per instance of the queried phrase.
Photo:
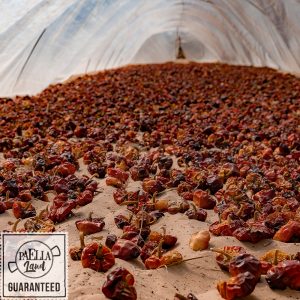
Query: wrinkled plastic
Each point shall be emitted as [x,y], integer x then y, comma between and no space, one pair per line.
[43,42]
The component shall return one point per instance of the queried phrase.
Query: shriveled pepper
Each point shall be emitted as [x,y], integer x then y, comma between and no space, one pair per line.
[2,207]
[245,269]
[125,249]
[158,259]
[75,252]
[23,210]
[60,212]
[97,257]
[90,225]
[196,213]
[245,262]
[238,286]
[227,227]
[121,220]
[168,240]
[40,223]
[119,285]
[226,254]
[285,274]
[271,258]
[121,175]
[289,232]
[85,198]
[170,258]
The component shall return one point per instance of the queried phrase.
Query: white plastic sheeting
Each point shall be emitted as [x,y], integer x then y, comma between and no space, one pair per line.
[46,41]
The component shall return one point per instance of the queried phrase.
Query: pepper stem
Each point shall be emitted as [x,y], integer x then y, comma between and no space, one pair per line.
[27,206]
[153,199]
[217,250]
[181,261]
[275,261]
[99,253]
[193,207]
[229,220]
[129,202]
[256,215]
[81,237]
[90,215]
[159,249]
[192,258]
[14,228]
[219,217]
[163,228]
[39,217]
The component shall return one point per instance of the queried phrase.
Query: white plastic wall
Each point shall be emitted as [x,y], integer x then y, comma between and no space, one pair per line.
[46,41]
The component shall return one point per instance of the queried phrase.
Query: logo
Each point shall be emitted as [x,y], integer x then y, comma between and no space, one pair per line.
[33,265]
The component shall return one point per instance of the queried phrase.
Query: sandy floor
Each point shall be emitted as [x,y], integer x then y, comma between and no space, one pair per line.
[197,276]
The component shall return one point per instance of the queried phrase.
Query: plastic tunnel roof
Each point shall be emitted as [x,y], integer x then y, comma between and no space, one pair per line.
[43,41]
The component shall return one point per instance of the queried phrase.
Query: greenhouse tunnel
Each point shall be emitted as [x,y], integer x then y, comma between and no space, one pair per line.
[43,42]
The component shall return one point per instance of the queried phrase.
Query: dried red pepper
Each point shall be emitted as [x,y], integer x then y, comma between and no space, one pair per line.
[285,274]
[119,285]
[125,249]
[59,212]
[238,286]
[23,210]
[289,232]
[195,213]
[40,223]
[2,207]
[226,254]
[75,252]
[85,198]
[90,225]
[97,257]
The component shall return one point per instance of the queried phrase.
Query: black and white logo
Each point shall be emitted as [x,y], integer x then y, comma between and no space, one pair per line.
[34,265]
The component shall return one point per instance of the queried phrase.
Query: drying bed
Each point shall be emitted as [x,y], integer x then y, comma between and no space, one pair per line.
[159,153]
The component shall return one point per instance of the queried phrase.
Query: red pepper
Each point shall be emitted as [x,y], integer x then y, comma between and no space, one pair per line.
[271,258]
[226,254]
[121,221]
[75,252]
[90,225]
[115,182]
[246,271]
[148,250]
[167,259]
[23,210]
[152,186]
[238,286]
[85,198]
[65,169]
[119,285]
[168,241]
[2,207]
[227,227]
[110,240]
[25,195]
[254,233]
[120,195]
[118,173]
[196,213]
[125,249]
[289,232]
[97,257]
[60,211]
[40,223]
[285,274]
[202,199]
